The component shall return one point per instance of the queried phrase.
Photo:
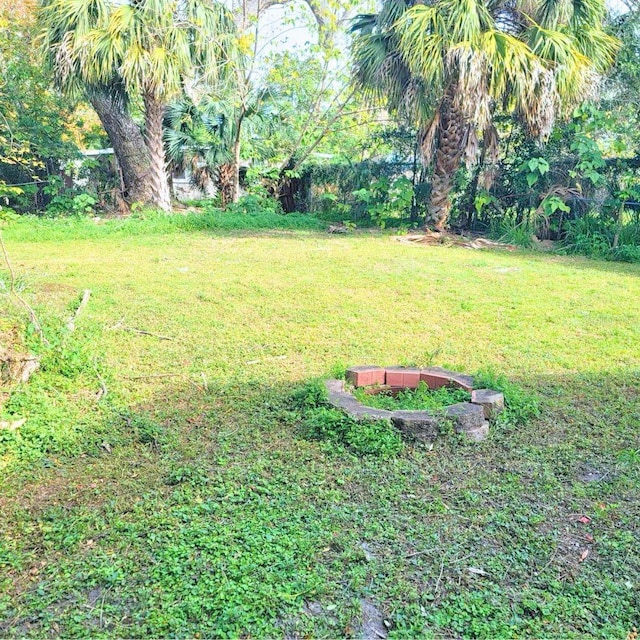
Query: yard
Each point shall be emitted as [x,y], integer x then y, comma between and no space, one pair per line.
[185,502]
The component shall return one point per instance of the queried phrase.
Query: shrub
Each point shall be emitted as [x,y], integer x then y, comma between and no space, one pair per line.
[626,253]
[312,394]
[387,201]
[362,437]
[71,204]
[508,230]
[254,203]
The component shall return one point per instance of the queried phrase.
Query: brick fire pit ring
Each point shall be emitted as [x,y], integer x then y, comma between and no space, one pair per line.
[471,418]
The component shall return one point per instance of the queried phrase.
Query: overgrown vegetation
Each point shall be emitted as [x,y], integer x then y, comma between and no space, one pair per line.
[166,471]
[287,123]
[414,399]
[319,421]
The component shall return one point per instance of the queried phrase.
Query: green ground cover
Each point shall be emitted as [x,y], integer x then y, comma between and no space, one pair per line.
[421,398]
[189,501]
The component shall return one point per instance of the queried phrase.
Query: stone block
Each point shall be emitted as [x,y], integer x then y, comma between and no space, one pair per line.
[365,376]
[434,380]
[466,416]
[418,425]
[491,401]
[462,381]
[479,434]
[341,399]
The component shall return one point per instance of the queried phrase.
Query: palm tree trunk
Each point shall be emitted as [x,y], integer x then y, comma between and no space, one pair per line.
[450,146]
[127,142]
[225,183]
[154,116]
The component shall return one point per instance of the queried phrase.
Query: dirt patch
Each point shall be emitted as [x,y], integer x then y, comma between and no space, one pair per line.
[373,626]
[592,474]
[451,239]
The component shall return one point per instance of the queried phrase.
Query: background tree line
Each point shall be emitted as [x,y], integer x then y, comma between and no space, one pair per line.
[466,114]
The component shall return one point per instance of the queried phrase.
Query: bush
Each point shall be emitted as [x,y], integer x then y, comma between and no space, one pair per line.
[363,437]
[589,236]
[595,235]
[626,253]
[254,203]
[312,394]
[71,203]
[508,229]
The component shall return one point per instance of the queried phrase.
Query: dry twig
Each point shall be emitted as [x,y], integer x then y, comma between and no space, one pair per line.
[142,332]
[85,299]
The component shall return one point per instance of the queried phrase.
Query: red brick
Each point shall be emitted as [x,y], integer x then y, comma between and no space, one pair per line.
[394,376]
[411,378]
[403,377]
[435,380]
[365,376]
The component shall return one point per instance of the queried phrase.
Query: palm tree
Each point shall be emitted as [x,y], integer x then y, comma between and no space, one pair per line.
[138,51]
[448,65]
[207,138]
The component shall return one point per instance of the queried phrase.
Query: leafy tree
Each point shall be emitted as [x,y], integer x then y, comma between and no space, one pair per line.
[136,53]
[312,125]
[450,65]
[35,121]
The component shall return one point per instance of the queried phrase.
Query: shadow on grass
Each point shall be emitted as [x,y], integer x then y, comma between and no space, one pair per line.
[204,511]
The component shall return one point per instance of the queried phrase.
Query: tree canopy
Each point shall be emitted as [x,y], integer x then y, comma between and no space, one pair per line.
[448,66]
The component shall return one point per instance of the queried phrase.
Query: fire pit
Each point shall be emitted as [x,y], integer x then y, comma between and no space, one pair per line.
[471,418]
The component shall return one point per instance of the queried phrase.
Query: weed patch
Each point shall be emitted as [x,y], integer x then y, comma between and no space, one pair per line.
[422,398]
[362,437]
[520,404]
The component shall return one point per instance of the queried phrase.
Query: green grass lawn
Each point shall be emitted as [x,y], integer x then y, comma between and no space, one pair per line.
[187,501]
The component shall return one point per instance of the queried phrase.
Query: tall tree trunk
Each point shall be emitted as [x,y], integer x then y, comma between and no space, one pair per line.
[159,179]
[225,182]
[236,169]
[472,214]
[285,187]
[127,142]
[235,194]
[450,147]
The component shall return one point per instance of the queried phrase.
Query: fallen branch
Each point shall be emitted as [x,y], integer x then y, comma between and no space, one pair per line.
[12,291]
[155,375]
[142,332]
[147,333]
[12,426]
[17,367]
[72,320]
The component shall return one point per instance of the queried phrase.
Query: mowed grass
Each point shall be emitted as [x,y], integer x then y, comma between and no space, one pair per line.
[187,502]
